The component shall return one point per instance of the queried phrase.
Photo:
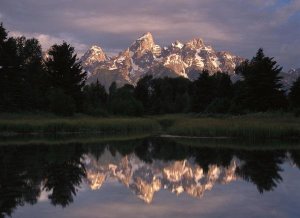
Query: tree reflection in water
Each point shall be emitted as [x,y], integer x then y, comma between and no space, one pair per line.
[25,171]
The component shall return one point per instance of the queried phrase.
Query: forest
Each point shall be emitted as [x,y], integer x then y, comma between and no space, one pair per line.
[57,84]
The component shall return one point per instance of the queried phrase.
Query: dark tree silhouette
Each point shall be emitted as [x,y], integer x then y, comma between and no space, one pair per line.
[32,73]
[262,168]
[295,155]
[95,98]
[10,80]
[122,101]
[112,89]
[294,95]
[143,89]
[22,76]
[202,92]
[262,90]
[65,72]
[168,95]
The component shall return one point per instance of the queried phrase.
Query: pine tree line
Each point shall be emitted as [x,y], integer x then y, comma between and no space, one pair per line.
[28,82]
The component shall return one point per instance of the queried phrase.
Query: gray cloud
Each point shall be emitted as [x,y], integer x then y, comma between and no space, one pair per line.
[240,26]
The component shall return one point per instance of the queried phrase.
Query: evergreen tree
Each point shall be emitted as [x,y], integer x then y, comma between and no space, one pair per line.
[261,90]
[164,95]
[22,75]
[95,98]
[122,101]
[294,95]
[65,72]
[3,34]
[10,80]
[32,73]
[112,89]
[3,74]
[142,91]
[223,85]
[60,103]
[202,92]
[223,93]
[180,96]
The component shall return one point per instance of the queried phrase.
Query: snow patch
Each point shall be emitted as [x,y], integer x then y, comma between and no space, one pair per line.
[96,48]
[216,62]
[156,50]
[134,66]
[228,56]
[207,48]
[120,59]
[199,61]
[177,44]
[113,66]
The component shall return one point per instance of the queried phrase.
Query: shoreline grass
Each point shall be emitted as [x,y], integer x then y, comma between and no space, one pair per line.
[35,125]
[253,126]
[74,139]
[230,143]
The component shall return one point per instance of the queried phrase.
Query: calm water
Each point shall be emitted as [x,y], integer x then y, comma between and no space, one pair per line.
[148,178]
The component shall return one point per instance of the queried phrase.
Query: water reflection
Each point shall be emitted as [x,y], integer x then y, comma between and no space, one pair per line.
[144,179]
[144,166]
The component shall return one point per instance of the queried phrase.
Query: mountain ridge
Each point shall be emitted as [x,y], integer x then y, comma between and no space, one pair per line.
[144,57]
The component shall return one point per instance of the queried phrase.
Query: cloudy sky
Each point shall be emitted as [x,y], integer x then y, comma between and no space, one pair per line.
[239,26]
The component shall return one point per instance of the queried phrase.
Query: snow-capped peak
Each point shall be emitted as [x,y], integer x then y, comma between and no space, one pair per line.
[96,48]
[142,45]
[95,55]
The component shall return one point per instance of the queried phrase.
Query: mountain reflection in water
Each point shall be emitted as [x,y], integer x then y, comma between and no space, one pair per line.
[145,166]
[147,178]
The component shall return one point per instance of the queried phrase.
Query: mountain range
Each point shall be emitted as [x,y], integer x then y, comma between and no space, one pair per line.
[144,56]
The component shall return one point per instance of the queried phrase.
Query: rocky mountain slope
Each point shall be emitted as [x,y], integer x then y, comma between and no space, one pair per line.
[144,56]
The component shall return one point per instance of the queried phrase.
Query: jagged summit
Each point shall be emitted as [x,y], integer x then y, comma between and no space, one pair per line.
[146,36]
[96,48]
[93,57]
[195,43]
[142,45]
[96,52]
[144,56]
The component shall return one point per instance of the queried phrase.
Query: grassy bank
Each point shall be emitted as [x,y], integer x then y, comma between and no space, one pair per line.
[30,124]
[254,126]
[236,143]
[69,139]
